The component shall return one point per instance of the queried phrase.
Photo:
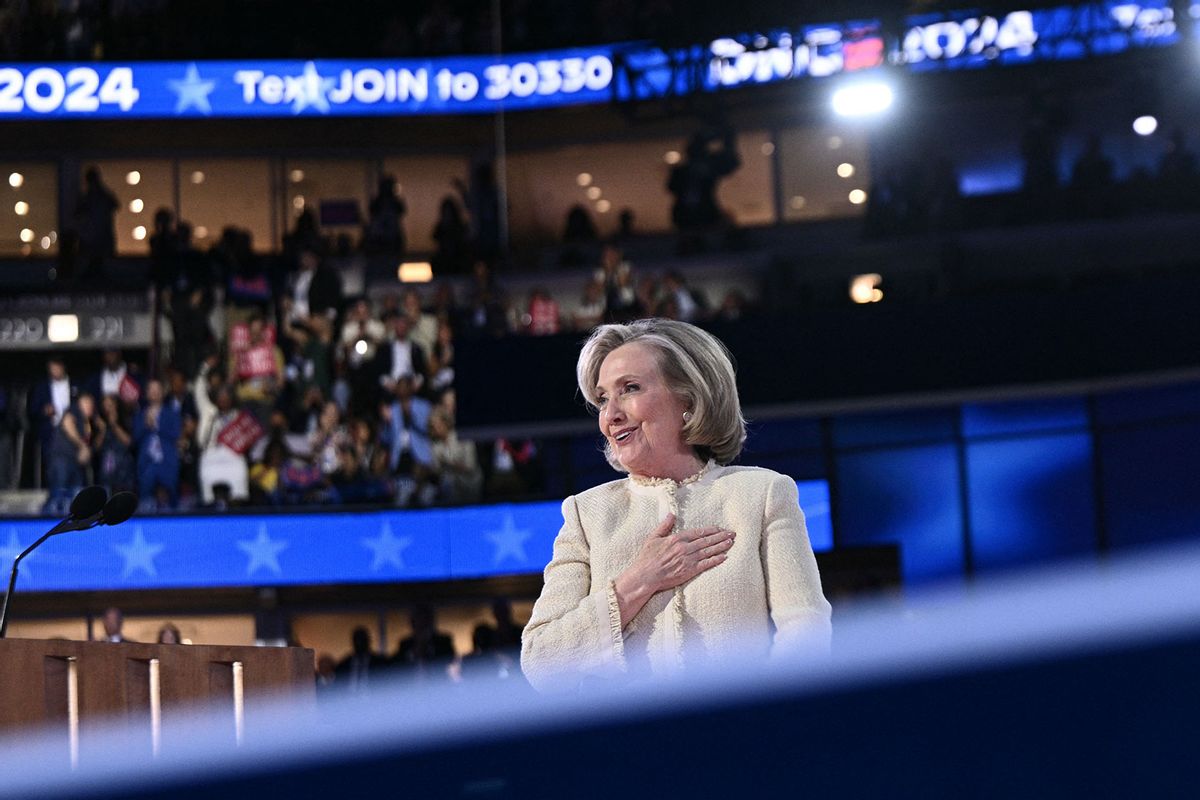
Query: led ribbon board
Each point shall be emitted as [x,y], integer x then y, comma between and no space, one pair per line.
[483,84]
[288,549]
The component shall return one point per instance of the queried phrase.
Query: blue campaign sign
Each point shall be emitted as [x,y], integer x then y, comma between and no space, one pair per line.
[462,84]
[290,549]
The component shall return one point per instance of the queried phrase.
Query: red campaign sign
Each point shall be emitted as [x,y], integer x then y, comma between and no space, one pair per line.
[128,391]
[239,336]
[241,433]
[256,362]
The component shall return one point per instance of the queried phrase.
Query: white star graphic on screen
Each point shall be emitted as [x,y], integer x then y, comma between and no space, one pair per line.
[139,554]
[192,91]
[309,90]
[263,551]
[509,541]
[10,551]
[388,549]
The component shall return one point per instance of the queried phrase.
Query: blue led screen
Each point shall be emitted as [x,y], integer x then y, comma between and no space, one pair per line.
[283,549]
[631,71]
[1030,499]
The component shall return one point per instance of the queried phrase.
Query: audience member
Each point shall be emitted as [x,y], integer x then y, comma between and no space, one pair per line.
[49,400]
[224,435]
[169,634]
[355,672]
[427,650]
[401,357]
[405,432]
[94,219]
[156,430]
[454,461]
[115,469]
[542,318]
[711,155]
[114,625]
[450,234]
[70,454]
[385,225]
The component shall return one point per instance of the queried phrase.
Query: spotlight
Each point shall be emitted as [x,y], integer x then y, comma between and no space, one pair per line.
[865,288]
[863,99]
[15,180]
[1145,125]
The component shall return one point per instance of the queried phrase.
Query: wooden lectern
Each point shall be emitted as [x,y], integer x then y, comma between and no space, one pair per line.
[63,685]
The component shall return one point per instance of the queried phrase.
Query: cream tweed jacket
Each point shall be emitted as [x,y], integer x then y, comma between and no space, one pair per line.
[764,599]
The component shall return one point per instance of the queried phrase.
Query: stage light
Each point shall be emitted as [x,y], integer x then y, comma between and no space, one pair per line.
[298,202]
[26,235]
[62,328]
[136,205]
[15,180]
[296,175]
[415,272]
[46,242]
[133,177]
[834,142]
[197,177]
[360,347]
[603,206]
[865,288]
[139,232]
[201,232]
[593,192]
[1145,125]
[863,99]
[845,170]
[857,197]
[768,148]
[672,157]
[21,208]
[584,179]
[797,202]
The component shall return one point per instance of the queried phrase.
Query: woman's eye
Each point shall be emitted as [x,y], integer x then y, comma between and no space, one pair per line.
[631,387]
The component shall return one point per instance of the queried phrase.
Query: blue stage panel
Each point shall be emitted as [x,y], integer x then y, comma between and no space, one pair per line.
[905,496]
[1031,499]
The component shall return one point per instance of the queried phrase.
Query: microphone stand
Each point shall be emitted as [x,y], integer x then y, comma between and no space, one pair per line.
[65,525]
[12,579]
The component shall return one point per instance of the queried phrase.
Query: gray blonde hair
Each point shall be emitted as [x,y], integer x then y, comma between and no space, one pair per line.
[695,365]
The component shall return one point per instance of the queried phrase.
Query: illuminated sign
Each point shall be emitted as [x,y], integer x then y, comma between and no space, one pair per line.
[967,40]
[288,549]
[289,88]
[483,84]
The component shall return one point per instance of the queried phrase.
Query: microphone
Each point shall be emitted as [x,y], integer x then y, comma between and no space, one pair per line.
[91,507]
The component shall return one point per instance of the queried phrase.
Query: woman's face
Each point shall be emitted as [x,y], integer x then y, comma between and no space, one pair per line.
[640,417]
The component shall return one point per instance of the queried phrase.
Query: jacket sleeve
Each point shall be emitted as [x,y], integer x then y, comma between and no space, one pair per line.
[574,633]
[794,598]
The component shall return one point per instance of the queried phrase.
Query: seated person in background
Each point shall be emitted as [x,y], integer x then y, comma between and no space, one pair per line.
[169,634]
[156,431]
[114,624]
[428,650]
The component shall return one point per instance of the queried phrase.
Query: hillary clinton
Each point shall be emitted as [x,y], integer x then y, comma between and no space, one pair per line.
[686,560]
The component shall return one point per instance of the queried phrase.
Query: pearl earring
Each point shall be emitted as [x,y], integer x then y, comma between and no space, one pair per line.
[687,416]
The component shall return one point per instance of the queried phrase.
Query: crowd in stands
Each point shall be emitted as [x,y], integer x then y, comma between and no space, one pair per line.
[428,654]
[306,396]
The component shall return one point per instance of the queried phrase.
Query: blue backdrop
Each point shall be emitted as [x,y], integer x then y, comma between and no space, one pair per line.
[258,550]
